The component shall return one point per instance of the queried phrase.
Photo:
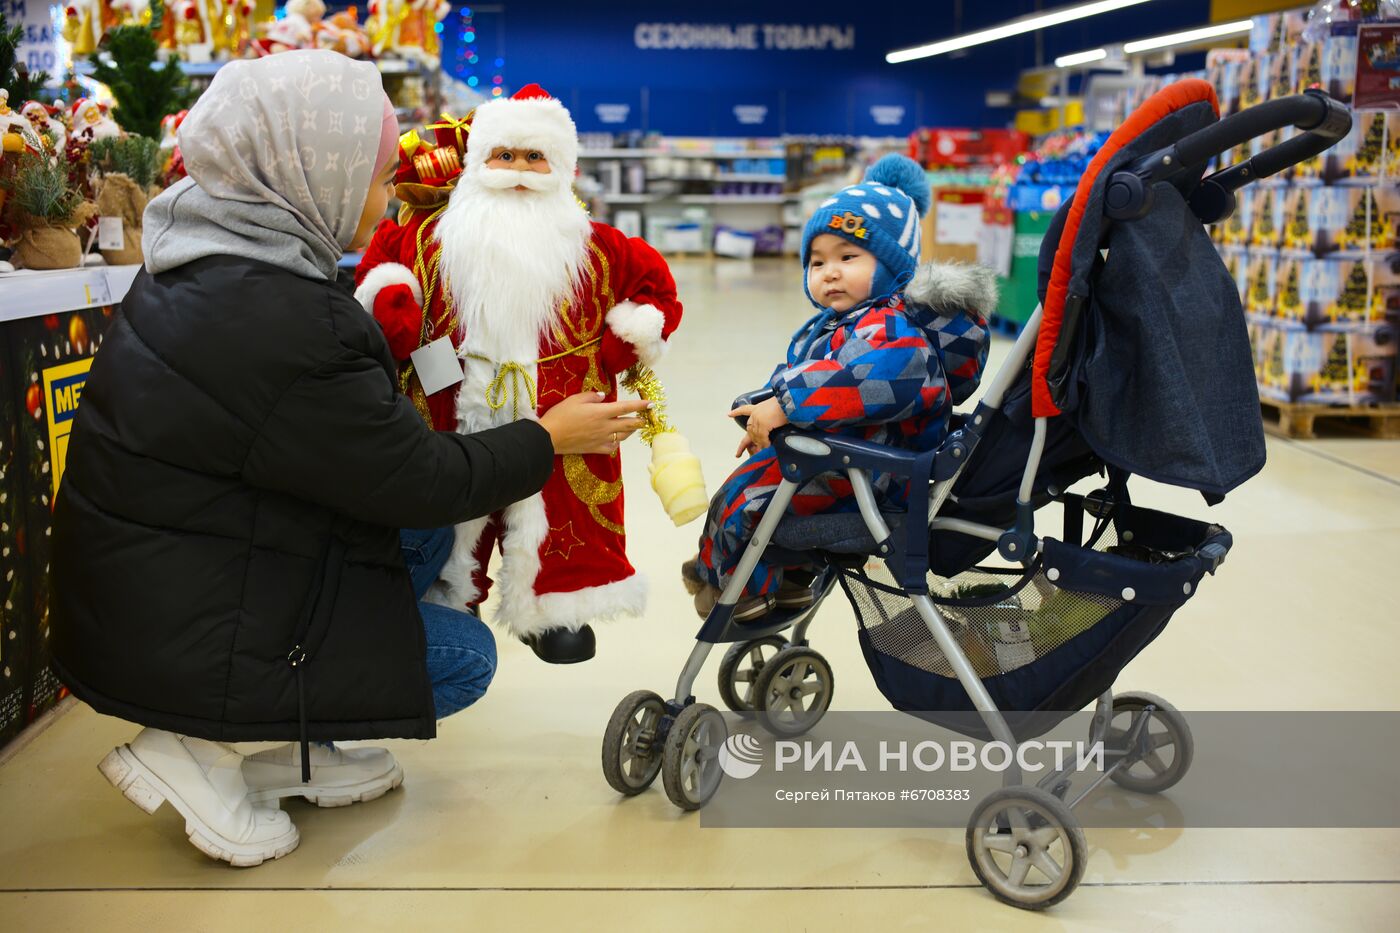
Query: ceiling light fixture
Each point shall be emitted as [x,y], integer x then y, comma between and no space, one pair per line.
[1014,27]
[1189,36]
[1081,58]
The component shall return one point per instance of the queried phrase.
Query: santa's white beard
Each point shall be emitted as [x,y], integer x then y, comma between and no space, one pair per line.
[510,258]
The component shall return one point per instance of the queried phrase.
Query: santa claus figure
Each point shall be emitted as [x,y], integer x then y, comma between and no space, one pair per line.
[540,304]
[90,120]
[42,119]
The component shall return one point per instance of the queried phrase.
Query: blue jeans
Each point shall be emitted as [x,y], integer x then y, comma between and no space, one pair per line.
[461,649]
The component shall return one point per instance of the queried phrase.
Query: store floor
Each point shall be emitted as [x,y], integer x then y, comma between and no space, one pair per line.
[505,821]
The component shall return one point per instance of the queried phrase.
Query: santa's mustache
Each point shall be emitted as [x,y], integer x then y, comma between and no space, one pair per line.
[502,179]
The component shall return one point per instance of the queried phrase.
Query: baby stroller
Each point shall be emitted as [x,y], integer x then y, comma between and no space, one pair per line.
[1137,362]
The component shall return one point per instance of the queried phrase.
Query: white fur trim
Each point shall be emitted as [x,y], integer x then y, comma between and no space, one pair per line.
[456,587]
[526,527]
[954,286]
[538,123]
[625,597]
[381,277]
[639,325]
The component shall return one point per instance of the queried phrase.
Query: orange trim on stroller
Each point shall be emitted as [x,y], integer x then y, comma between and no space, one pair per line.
[1169,99]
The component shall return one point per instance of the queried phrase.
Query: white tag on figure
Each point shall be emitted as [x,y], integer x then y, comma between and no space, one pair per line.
[437,365]
[109,233]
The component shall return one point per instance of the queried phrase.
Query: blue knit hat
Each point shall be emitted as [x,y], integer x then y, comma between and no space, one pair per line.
[881,215]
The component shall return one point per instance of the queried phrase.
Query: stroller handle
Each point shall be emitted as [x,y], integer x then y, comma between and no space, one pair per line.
[1322,119]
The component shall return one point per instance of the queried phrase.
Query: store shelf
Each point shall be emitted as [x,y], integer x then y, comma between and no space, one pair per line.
[744,154]
[192,69]
[732,198]
[630,198]
[619,153]
[29,294]
[398,66]
[750,176]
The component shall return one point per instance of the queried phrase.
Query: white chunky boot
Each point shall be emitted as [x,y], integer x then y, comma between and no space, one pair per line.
[203,781]
[339,776]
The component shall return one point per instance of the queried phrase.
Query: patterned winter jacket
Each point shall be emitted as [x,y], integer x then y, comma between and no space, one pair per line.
[891,373]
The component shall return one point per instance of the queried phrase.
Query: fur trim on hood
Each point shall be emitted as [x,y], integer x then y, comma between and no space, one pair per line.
[954,286]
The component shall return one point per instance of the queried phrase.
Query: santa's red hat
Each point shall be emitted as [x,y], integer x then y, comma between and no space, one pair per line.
[529,119]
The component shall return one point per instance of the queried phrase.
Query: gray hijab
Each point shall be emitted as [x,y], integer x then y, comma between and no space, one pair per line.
[280,153]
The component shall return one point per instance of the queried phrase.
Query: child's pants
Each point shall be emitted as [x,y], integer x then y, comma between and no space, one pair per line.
[738,506]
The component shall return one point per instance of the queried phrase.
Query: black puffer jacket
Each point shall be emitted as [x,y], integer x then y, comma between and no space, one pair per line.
[237,475]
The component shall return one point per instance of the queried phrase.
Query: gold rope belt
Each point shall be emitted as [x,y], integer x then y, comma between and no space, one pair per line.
[510,376]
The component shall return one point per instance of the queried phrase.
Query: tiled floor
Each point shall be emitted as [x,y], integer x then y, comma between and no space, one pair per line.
[505,820]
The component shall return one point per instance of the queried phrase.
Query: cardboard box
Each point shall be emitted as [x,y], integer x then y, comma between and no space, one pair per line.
[952,230]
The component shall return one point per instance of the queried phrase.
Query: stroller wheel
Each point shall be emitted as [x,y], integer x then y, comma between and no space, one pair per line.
[738,672]
[690,768]
[793,691]
[1026,847]
[632,743]
[1169,741]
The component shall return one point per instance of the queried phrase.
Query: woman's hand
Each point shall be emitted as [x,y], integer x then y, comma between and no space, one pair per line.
[764,418]
[585,424]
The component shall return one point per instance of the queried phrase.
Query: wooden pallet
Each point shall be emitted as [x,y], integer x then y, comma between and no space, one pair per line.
[1295,419]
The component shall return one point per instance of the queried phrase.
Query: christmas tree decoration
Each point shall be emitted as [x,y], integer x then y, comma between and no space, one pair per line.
[1371,219]
[144,93]
[1298,233]
[1265,231]
[1360,298]
[1290,304]
[46,207]
[1262,268]
[1365,162]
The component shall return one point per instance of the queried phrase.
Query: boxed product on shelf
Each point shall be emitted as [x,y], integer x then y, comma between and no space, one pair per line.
[1266,218]
[1359,220]
[736,244]
[1339,66]
[1299,233]
[1347,364]
[952,231]
[1370,152]
[1291,287]
[1335,364]
[1236,259]
[1261,274]
[1352,290]
[1236,228]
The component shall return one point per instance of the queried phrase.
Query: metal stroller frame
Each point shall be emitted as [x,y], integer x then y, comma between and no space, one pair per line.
[791,690]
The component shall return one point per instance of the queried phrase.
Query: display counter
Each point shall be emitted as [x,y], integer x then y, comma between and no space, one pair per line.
[51,324]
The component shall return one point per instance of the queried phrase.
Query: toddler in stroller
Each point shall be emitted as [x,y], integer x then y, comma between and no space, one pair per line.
[892,348]
[1137,361]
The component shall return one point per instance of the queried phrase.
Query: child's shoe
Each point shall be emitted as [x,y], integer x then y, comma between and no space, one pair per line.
[794,594]
[747,609]
[692,577]
[203,781]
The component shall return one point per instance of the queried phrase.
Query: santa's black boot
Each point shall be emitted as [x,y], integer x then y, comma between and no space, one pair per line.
[562,645]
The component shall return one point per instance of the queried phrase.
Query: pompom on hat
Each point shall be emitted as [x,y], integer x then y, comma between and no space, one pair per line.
[880,215]
[528,119]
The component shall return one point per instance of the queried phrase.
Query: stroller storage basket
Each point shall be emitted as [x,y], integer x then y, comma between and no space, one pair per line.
[1046,640]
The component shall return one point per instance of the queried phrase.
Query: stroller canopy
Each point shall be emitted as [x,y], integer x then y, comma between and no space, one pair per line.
[1145,347]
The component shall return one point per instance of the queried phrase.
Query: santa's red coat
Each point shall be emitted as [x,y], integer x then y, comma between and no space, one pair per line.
[564,560]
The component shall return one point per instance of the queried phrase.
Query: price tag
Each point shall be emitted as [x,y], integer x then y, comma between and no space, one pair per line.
[109,233]
[437,365]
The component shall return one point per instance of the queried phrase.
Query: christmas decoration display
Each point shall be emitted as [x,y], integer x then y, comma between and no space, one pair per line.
[128,169]
[173,164]
[405,28]
[46,207]
[144,94]
[458,266]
